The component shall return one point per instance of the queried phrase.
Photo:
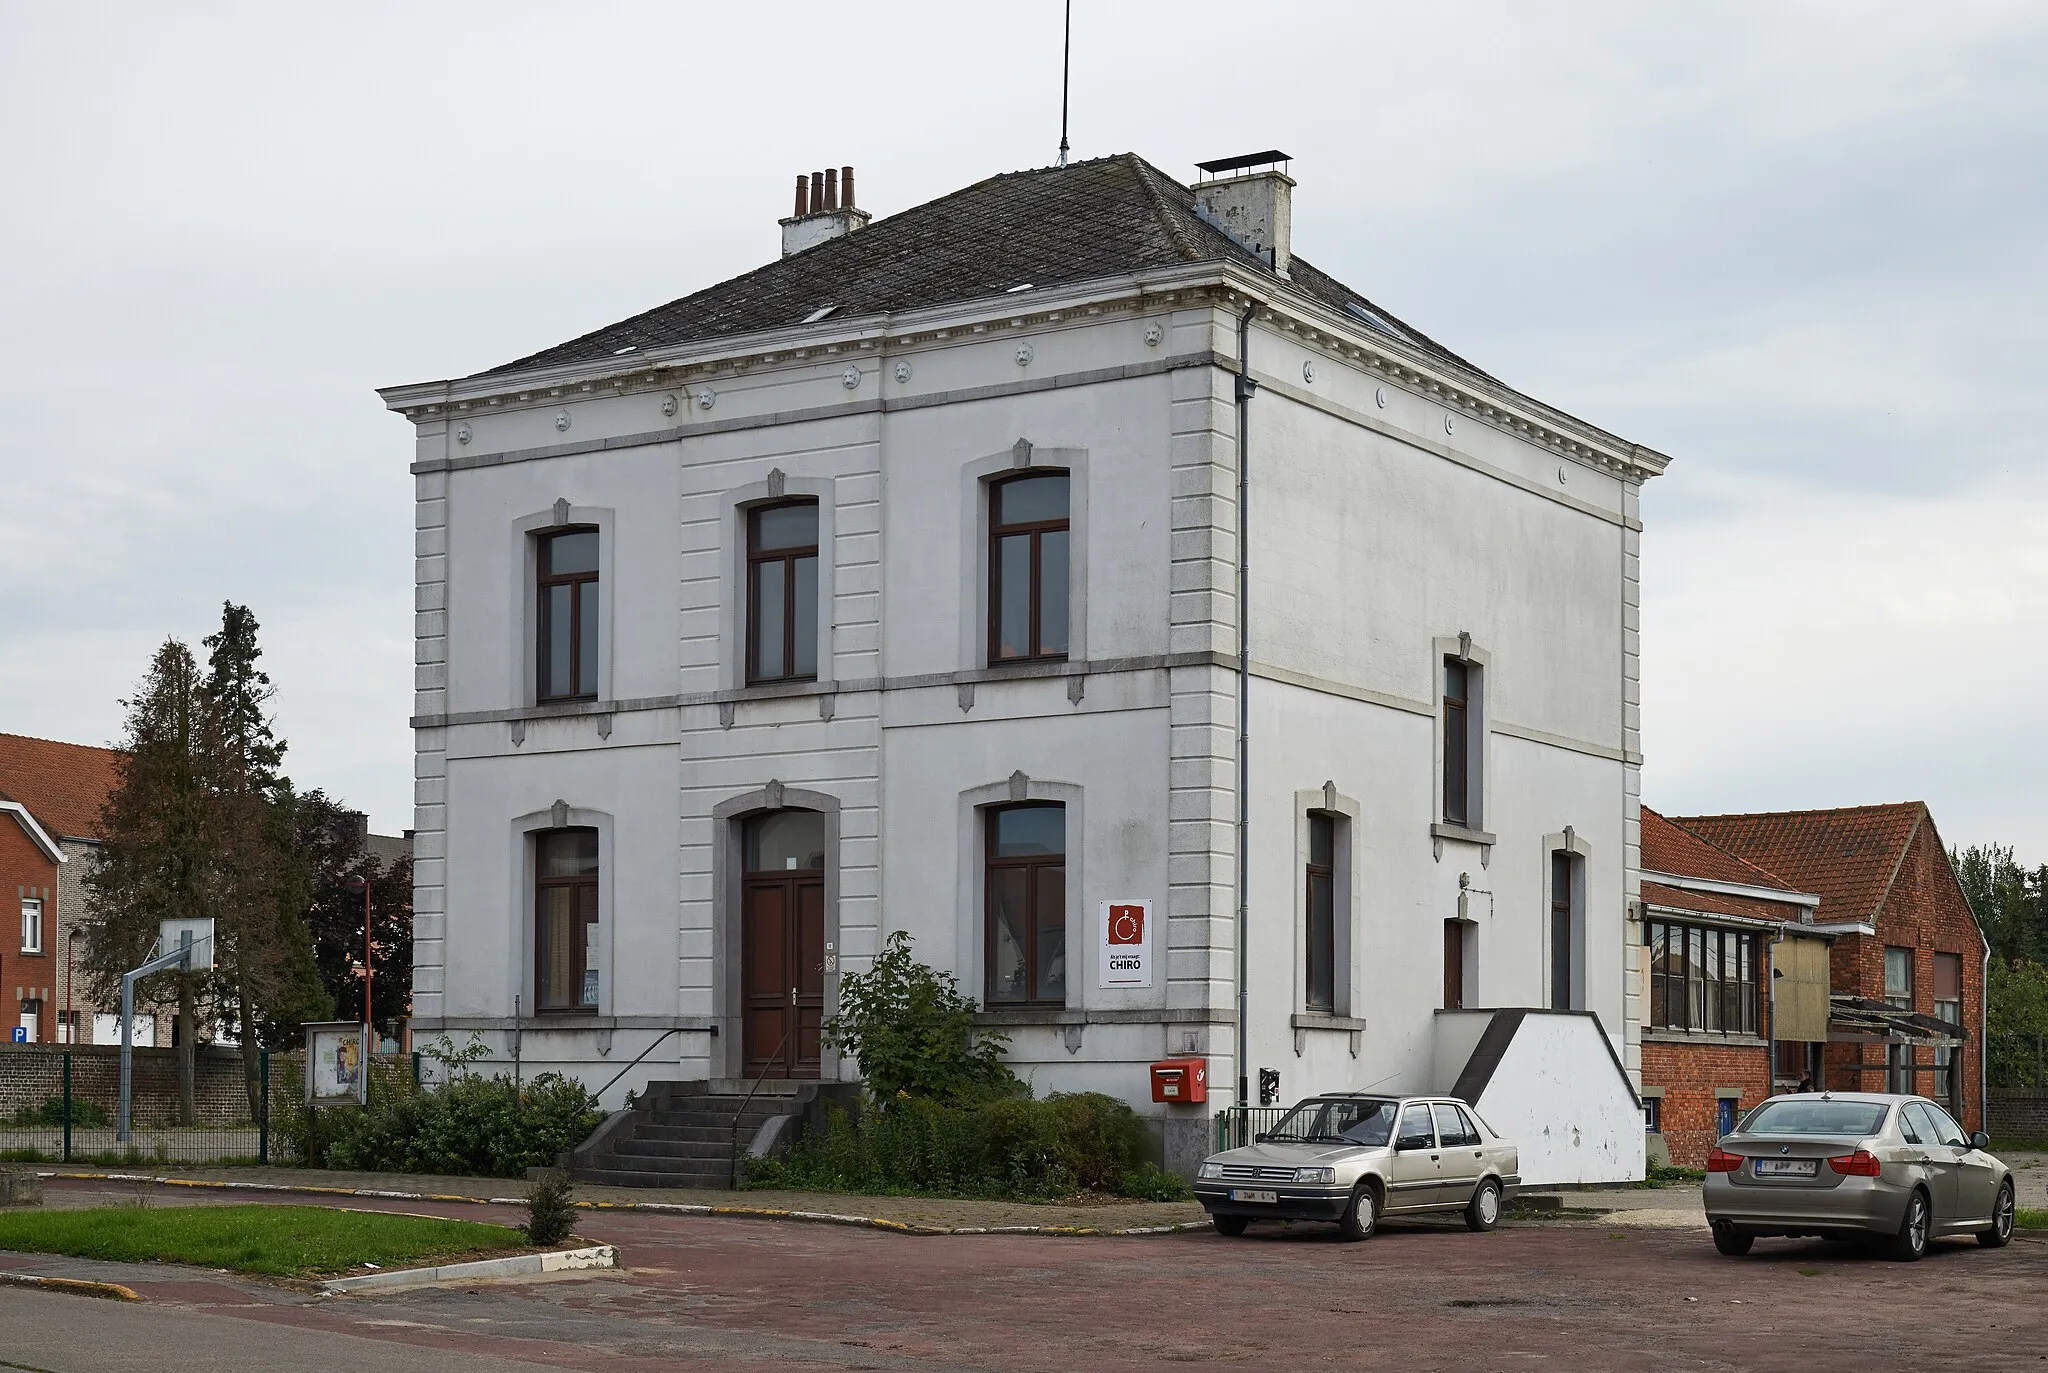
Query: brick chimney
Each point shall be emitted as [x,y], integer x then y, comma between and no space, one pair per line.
[824,210]
[1251,199]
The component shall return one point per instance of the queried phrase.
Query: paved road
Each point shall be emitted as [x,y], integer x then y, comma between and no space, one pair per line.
[711,1293]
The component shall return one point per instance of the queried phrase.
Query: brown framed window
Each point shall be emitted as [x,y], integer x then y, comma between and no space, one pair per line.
[782,593]
[1702,979]
[1948,1005]
[565,969]
[1454,965]
[1321,894]
[566,598]
[1563,921]
[1026,905]
[1458,675]
[1027,567]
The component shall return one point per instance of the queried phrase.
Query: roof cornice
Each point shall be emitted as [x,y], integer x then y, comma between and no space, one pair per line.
[1778,894]
[1225,284]
[36,834]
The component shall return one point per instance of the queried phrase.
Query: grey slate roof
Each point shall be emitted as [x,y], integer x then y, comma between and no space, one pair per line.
[1053,226]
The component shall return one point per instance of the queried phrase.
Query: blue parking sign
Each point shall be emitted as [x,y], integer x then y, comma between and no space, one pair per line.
[21,1034]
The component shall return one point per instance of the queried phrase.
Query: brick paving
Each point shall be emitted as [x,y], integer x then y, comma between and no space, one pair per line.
[705,1293]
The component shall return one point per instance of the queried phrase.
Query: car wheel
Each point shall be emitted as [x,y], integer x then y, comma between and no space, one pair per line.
[1483,1211]
[1732,1241]
[1230,1227]
[1911,1241]
[2000,1233]
[1361,1216]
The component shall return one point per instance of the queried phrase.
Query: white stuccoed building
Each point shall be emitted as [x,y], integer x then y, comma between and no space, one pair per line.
[895,586]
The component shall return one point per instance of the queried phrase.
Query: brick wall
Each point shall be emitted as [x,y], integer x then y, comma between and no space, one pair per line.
[1924,911]
[31,1074]
[1693,1076]
[2020,1115]
[26,871]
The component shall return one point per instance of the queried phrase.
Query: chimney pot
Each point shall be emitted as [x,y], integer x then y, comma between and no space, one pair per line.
[824,210]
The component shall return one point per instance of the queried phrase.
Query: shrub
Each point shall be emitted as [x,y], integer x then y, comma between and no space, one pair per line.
[470,1126]
[913,1033]
[550,1211]
[89,1114]
[1012,1147]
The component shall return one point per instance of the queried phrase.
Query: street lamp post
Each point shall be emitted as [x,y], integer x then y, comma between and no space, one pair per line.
[362,884]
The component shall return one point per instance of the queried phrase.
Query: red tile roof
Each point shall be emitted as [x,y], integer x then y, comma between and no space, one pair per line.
[1847,857]
[1668,848]
[63,785]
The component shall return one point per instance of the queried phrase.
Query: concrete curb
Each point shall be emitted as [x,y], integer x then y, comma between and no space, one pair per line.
[671,1208]
[78,1287]
[516,1266]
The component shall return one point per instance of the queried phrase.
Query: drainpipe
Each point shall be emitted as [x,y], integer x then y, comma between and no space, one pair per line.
[1983,1039]
[1245,387]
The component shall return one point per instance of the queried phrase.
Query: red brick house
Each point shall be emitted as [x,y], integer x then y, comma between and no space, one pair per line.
[1829,948]
[50,799]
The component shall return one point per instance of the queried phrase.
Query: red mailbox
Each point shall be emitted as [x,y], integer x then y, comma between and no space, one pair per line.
[1180,1081]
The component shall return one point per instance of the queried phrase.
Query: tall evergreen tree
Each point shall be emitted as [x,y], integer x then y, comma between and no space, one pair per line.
[259,887]
[154,862]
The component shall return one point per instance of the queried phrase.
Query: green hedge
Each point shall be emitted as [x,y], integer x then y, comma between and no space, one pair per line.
[473,1126]
[1009,1147]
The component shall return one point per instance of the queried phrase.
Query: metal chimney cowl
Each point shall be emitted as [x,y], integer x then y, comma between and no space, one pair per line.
[1256,209]
[824,210]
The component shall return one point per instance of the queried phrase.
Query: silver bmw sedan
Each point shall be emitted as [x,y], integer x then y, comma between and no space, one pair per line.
[1856,1165]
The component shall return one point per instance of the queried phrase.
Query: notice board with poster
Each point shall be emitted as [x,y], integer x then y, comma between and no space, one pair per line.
[337,1063]
[1124,943]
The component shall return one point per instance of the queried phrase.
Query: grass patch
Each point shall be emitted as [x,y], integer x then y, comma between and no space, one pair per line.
[275,1241]
[1663,1175]
[2031,1220]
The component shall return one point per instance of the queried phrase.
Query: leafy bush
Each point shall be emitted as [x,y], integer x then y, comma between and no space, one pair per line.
[550,1211]
[913,1033]
[470,1126]
[996,1147]
[89,1114]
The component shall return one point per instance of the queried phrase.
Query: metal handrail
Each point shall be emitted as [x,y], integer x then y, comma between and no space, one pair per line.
[733,1147]
[671,1030]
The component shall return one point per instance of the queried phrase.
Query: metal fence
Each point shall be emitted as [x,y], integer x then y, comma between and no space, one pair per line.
[1237,1126]
[69,1115]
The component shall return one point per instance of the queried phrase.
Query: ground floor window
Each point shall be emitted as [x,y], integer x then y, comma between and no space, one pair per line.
[1702,978]
[1025,905]
[565,920]
[1948,1005]
[1653,1114]
[1724,1116]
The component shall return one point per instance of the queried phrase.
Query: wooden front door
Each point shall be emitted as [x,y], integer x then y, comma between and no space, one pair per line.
[782,968]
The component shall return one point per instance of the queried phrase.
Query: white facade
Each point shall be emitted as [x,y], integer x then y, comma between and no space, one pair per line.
[1402,509]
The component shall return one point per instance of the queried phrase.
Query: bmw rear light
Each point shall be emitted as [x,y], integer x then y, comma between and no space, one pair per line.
[1721,1161]
[1861,1164]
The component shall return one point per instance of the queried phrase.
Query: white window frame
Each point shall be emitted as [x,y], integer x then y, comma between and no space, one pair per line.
[31,924]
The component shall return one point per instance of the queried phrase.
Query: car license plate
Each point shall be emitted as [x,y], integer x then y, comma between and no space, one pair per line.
[1784,1167]
[1254,1194]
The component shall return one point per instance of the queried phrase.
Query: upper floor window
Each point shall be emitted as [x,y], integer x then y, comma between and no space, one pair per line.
[1898,977]
[1321,907]
[1702,979]
[31,925]
[1027,567]
[782,593]
[1461,800]
[565,958]
[1566,929]
[1026,905]
[567,601]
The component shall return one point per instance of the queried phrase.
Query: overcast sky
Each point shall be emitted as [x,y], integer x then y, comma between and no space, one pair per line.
[1802,249]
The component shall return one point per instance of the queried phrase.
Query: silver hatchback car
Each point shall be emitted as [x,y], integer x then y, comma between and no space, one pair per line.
[1856,1165]
[1352,1159]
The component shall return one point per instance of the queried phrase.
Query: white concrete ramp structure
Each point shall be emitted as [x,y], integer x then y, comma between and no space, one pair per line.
[1550,1081]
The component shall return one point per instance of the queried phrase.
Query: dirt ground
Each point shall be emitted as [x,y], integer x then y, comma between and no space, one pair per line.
[703,1293]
